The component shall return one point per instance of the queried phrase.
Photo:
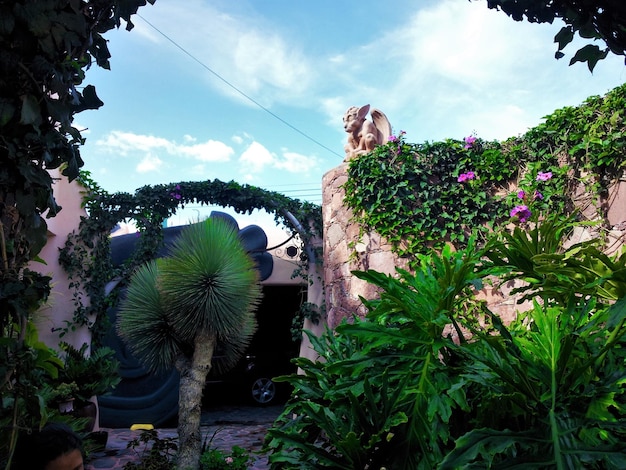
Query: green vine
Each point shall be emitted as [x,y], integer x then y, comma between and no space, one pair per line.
[423,196]
[86,256]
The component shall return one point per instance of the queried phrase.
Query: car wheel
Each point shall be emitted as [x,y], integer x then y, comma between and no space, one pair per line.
[263,391]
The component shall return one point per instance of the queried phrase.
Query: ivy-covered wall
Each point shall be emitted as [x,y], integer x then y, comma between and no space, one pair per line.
[383,209]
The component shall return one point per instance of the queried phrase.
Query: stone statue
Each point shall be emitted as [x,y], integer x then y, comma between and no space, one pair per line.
[364,135]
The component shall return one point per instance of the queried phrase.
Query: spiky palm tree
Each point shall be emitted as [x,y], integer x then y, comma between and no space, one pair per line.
[179,307]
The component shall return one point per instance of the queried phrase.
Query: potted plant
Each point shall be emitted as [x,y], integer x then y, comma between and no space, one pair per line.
[93,375]
[64,395]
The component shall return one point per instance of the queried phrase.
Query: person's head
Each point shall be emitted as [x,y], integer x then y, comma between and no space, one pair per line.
[55,447]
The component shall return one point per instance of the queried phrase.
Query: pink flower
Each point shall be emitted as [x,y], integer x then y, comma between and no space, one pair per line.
[521,194]
[392,138]
[228,460]
[522,212]
[469,141]
[541,176]
[470,175]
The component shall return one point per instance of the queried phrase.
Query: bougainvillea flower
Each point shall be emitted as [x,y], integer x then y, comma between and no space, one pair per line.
[522,212]
[392,138]
[463,177]
[469,141]
[521,194]
[541,176]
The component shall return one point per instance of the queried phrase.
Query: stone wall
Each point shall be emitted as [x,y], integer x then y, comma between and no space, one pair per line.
[346,251]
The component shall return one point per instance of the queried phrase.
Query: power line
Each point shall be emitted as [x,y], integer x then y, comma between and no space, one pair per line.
[248,97]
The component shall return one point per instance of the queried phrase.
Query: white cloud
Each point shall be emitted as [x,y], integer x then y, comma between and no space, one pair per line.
[128,143]
[245,51]
[149,163]
[125,142]
[267,60]
[209,151]
[296,163]
[456,65]
[256,158]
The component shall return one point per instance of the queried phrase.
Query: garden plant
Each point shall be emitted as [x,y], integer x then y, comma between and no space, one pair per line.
[432,378]
[179,307]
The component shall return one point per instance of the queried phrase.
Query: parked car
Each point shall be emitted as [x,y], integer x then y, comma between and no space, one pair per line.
[252,377]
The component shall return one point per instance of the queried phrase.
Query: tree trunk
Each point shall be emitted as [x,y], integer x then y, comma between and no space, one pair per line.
[193,374]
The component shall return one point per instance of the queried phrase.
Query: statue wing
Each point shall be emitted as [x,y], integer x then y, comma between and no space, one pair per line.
[382,123]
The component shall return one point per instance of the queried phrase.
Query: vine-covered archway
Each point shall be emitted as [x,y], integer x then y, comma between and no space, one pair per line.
[87,257]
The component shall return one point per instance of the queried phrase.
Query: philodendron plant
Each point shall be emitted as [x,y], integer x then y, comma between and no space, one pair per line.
[433,379]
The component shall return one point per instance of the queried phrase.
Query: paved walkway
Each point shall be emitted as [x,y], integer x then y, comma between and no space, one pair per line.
[232,425]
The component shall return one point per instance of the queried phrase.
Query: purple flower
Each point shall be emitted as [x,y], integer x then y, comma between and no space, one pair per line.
[538,195]
[392,138]
[541,176]
[521,194]
[463,177]
[522,212]
[176,194]
[469,141]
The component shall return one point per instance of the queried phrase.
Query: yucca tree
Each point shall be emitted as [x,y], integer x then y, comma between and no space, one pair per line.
[179,307]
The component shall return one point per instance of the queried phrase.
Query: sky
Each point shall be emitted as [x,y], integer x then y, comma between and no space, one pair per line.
[255,91]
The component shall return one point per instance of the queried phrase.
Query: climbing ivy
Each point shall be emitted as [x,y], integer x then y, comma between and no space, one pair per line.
[86,256]
[422,196]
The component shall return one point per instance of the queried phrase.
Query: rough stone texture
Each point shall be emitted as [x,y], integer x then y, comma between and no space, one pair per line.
[346,251]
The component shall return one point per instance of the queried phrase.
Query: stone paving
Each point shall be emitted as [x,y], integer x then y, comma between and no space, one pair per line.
[228,426]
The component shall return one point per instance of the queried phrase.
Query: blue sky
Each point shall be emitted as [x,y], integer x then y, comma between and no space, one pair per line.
[437,69]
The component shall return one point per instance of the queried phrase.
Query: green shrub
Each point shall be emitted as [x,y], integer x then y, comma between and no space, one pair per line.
[215,459]
[396,391]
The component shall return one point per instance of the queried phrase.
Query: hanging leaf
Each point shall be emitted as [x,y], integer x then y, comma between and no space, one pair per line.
[31,112]
[590,54]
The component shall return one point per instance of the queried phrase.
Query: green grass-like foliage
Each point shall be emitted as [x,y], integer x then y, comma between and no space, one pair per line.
[207,283]
[431,378]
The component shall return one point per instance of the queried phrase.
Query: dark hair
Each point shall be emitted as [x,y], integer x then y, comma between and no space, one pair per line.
[35,450]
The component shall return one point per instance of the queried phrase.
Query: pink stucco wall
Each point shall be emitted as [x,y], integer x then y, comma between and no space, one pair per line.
[60,306]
